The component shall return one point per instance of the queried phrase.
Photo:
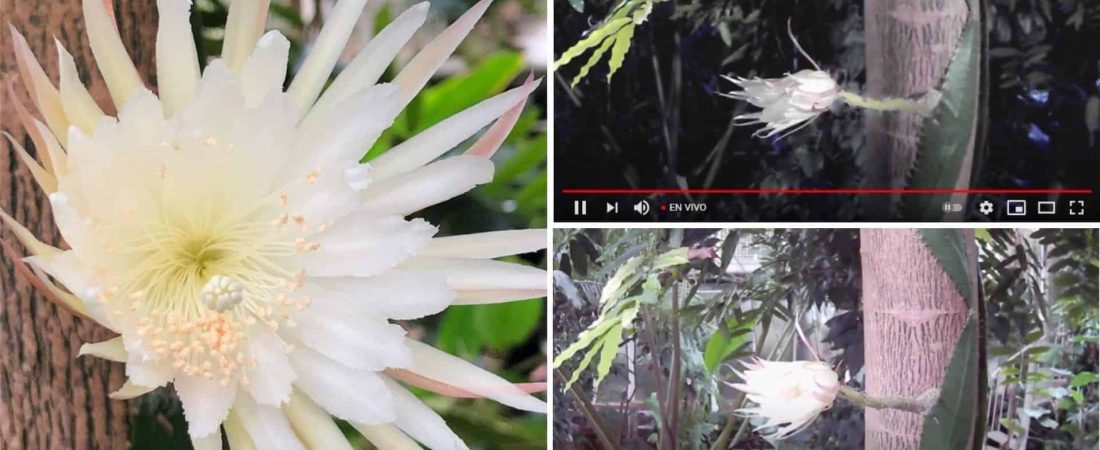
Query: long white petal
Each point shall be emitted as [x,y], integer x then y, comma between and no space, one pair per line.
[177,59]
[114,63]
[345,133]
[111,349]
[318,65]
[371,62]
[386,436]
[130,390]
[490,296]
[475,274]
[434,183]
[421,422]
[267,426]
[36,130]
[420,294]
[236,434]
[415,75]
[80,107]
[39,87]
[357,340]
[243,26]
[437,365]
[494,137]
[265,70]
[360,245]
[270,383]
[352,395]
[488,245]
[32,244]
[205,403]
[42,177]
[313,425]
[211,442]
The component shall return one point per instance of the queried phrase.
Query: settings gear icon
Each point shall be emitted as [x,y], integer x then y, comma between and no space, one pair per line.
[985,207]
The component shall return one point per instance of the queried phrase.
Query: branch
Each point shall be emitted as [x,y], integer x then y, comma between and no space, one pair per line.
[920,405]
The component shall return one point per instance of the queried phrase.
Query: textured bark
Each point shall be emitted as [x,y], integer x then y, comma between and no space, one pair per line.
[913,316]
[909,46]
[49,399]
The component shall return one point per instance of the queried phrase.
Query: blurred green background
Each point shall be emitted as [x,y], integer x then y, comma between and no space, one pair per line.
[509,42]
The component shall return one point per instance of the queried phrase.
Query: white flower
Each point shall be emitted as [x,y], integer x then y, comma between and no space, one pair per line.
[227,232]
[786,103]
[788,395]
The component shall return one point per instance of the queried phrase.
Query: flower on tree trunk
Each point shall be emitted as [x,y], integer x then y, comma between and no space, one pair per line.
[226,230]
[788,395]
[787,103]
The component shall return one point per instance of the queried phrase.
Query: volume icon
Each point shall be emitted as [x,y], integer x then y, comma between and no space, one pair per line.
[642,207]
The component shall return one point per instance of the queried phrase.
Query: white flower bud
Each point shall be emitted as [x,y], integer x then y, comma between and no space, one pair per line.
[785,102]
[788,395]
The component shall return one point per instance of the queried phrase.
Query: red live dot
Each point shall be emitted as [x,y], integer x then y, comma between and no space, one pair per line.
[664,207]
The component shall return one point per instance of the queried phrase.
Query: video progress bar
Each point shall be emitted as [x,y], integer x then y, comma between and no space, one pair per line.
[826,191]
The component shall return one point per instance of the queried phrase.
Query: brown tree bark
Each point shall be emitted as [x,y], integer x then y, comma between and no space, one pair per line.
[49,399]
[909,46]
[913,316]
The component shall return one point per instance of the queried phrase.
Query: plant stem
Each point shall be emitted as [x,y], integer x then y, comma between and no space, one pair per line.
[920,405]
[922,106]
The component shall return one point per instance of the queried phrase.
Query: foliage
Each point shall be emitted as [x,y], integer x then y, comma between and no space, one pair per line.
[614,34]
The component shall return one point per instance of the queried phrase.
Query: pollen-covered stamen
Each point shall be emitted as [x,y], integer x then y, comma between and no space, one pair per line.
[222,293]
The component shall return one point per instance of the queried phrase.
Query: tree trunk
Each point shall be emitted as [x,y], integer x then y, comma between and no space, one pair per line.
[909,46]
[913,316]
[49,399]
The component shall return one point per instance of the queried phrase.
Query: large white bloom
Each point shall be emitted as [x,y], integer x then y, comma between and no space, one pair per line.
[788,395]
[226,230]
[787,103]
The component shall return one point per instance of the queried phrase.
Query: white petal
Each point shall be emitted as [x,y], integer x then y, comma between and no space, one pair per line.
[236,434]
[177,59]
[421,422]
[355,339]
[114,63]
[386,436]
[494,137]
[80,107]
[267,426]
[440,366]
[372,61]
[45,181]
[265,70]
[270,383]
[360,245]
[353,395]
[38,85]
[243,26]
[313,425]
[434,183]
[492,244]
[211,442]
[345,133]
[445,135]
[415,75]
[205,403]
[322,58]
[489,296]
[394,294]
[147,373]
[111,350]
[478,274]
[130,390]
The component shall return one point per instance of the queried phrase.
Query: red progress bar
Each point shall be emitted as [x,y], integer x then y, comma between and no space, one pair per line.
[827,191]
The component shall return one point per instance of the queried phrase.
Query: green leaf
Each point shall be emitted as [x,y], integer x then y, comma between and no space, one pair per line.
[948,246]
[1082,379]
[724,343]
[586,361]
[594,39]
[948,135]
[674,257]
[594,332]
[490,77]
[949,424]
[502,326]
[614,287]
[592,60]
[455,334]
[618,51]
[608,352]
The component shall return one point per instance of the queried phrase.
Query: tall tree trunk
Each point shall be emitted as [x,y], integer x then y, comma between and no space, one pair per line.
[49,399]
[909,46]
[913,316]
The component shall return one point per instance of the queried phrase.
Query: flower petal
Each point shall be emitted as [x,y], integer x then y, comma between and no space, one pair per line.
[492,244]
[415,75]
[315,71]
[437,365]
[130,390]
[176,57]
[386,436]
[112,350]
[421,422]
[235,433]
[114,63]
[205,402]
[38,85]
[343,134]
[480,274]
[434,183]
[265,70]
[211,442]
[80,108]
[394,294]
[267,426]
[448,133]
[270,383]
[357,340]
[350,394]
[313,425]
[360,245]
[243,26]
